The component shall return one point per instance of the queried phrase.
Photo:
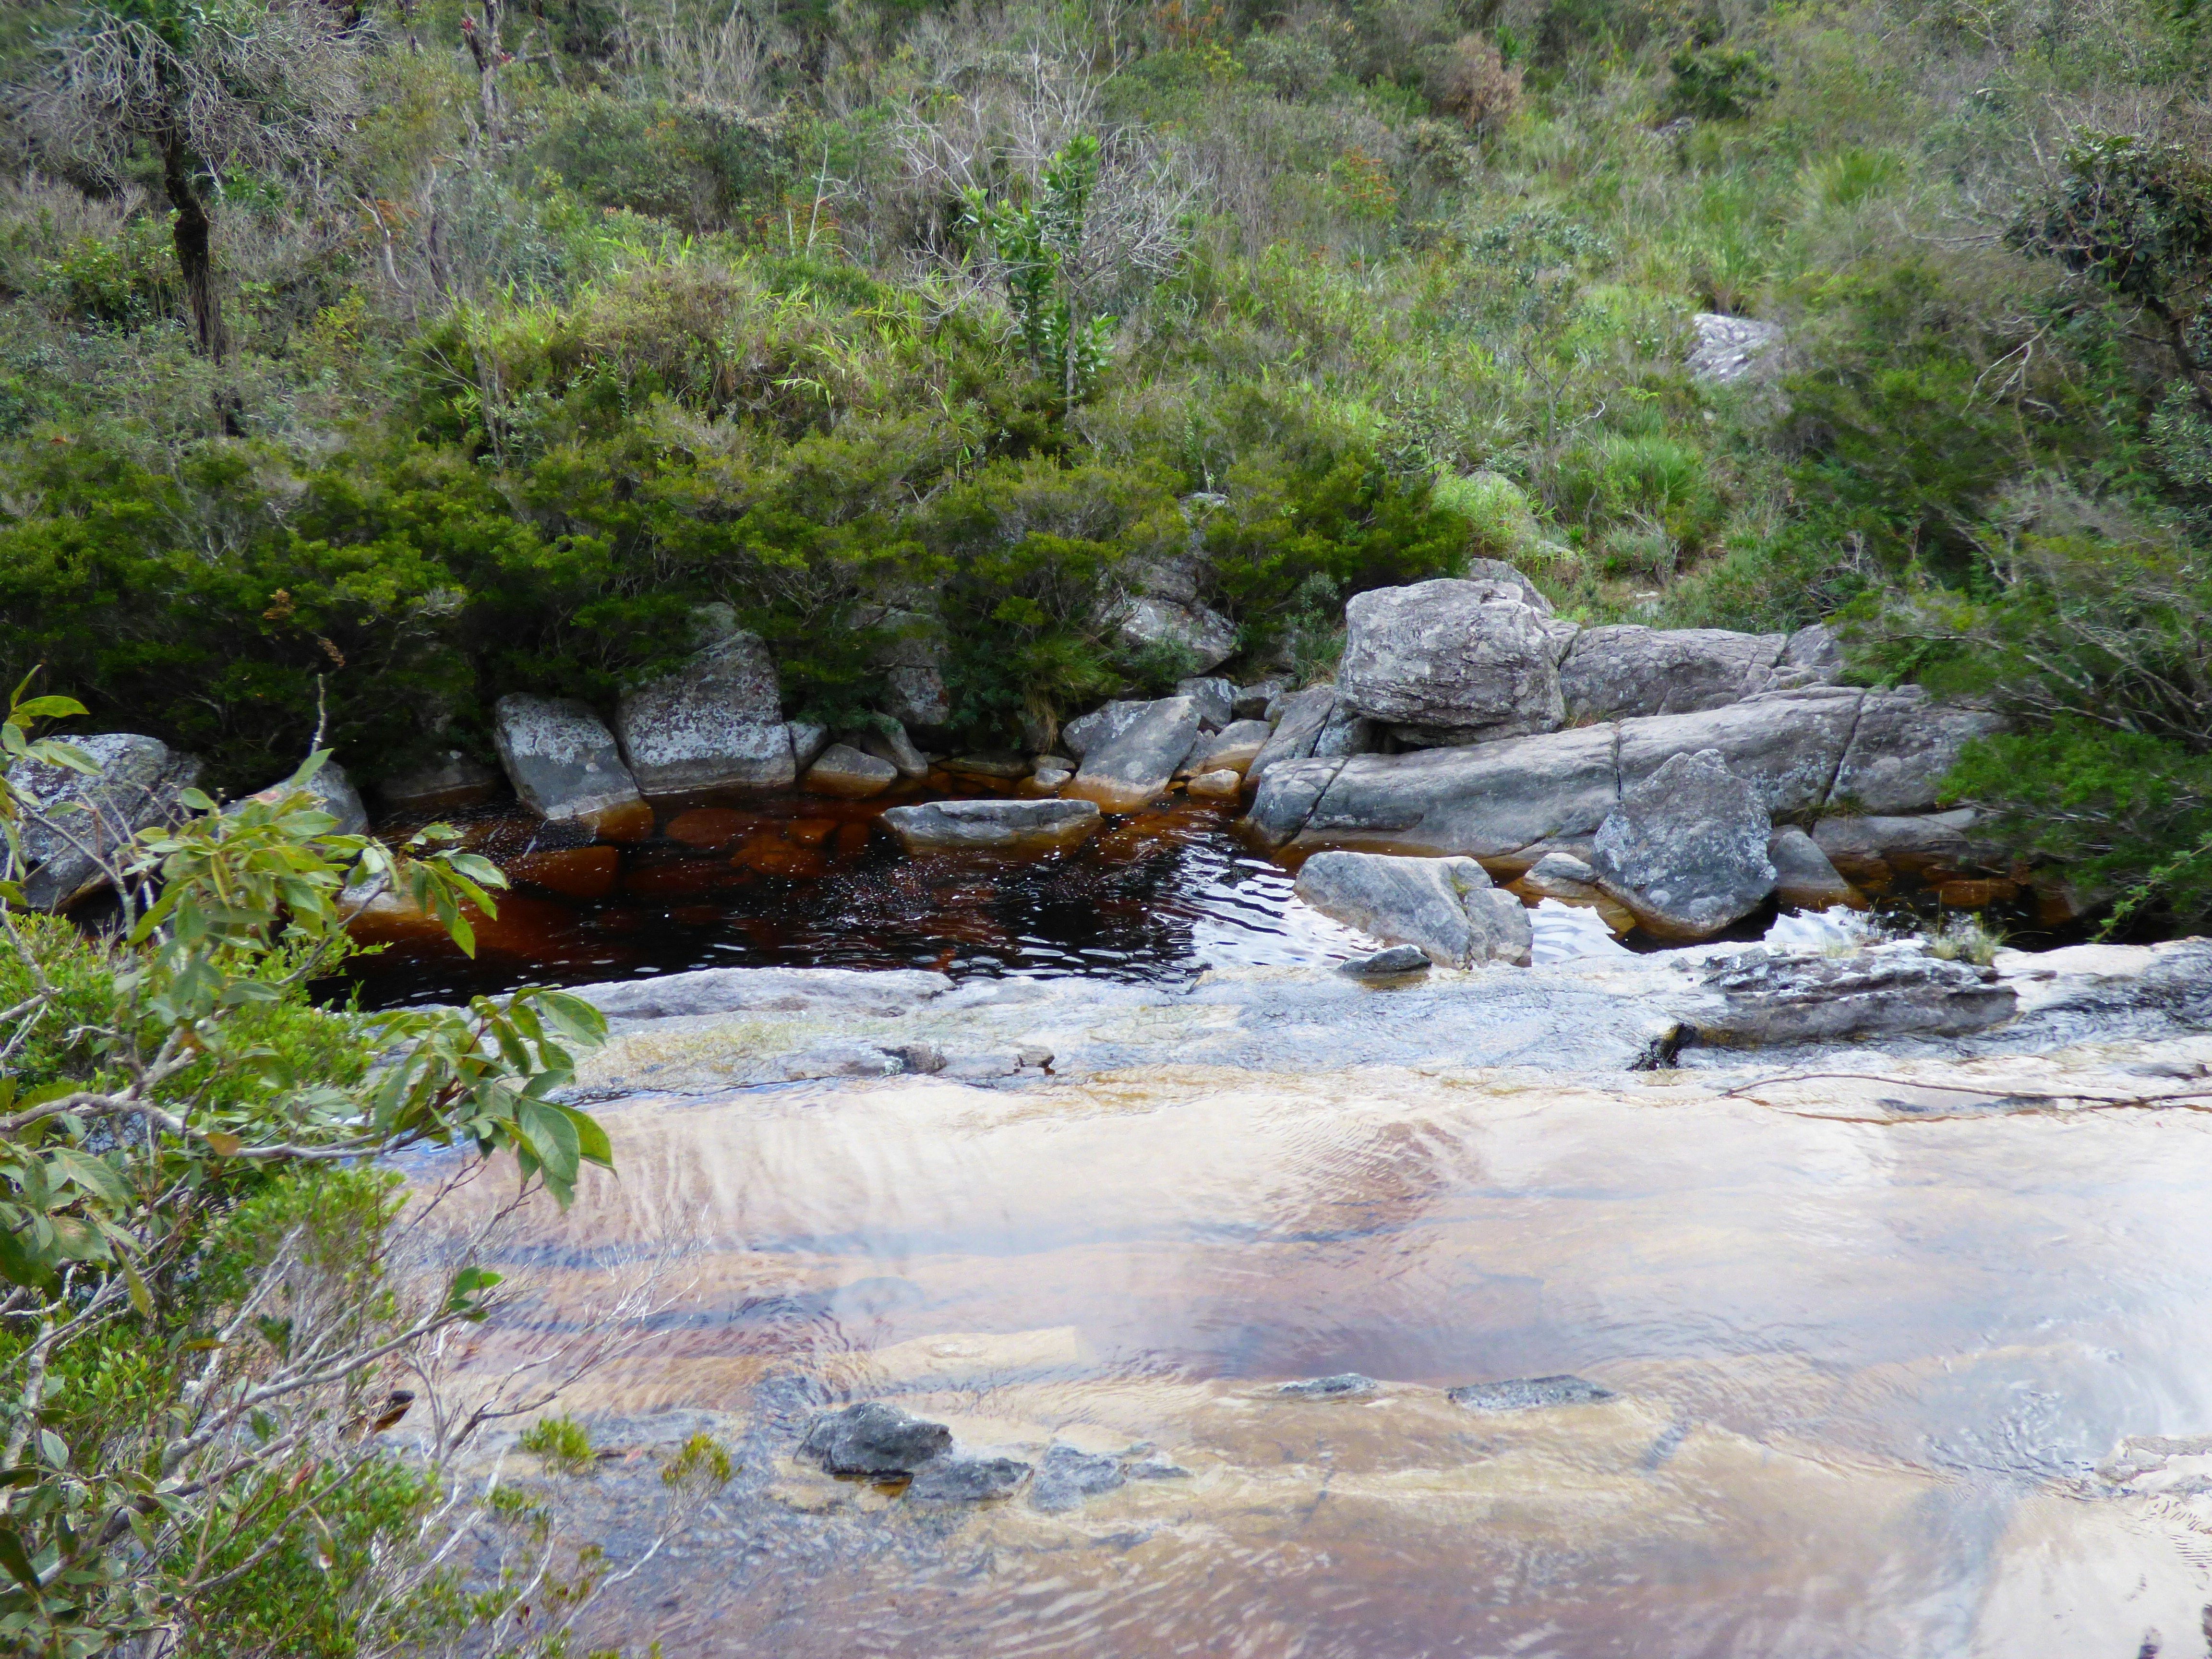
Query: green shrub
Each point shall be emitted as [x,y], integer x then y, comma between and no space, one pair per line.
[1718,83]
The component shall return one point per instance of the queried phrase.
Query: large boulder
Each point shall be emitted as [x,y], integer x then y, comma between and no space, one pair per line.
[1685,850]
[1012,827]
[1101,725]
[1134,769]
[564,765]
[73,823]
[1298,724]
[1446,907]
[844,770]
[715,723]
[1450,662]
[1216,699]
[1804,878]
[1203,636]
[1618,673]
[1236,746]
[1902,744]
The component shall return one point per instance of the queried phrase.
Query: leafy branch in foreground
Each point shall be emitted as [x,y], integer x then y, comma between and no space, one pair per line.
[203,1309]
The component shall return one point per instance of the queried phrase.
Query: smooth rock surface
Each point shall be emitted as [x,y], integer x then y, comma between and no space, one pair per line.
[878,994]
[137,785]
[564,764]
[844,771]
[1446,907]
[1236,746]
[1900,749]
[1623,671]
[1685,850]
[1786,744]
[715,723]
[1803,877]
[1450,662]
[1224,784]
[1215,698]
[1134,769]
[1014,827]
[1391,962]
[1101,725]
[873,1438]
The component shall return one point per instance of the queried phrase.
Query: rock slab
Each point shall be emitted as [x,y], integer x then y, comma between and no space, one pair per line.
[564,764]
[1769,999]
[1134,769]
[1012,827]
[1523,1393]
[1685,850]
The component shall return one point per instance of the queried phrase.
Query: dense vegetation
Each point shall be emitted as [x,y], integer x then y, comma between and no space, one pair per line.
[421,351]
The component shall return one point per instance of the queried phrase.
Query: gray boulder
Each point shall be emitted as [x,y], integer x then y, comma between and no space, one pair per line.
[1803,877]
[72,822]
[1206,636]
[844,771]
[1572,880]
[1345,732]
[1874,851]
[1904,743]
[1685,850]
[1251,700]
[1620,672]
[1523,1393]
[895,747]
[564,764]
[808,740]
[1236,746]
[1065,1477]
[333,792]
[1101,726]
[437,782]
[1012,827]
[1450,662]
[1216,699]
[715,723]
[1497,571]
[1297,727]
[960,1479]
[1134,769]
[1786,744]
[873,1438]
[1395,962]
[1811,656]
[1730,350]
[1768,1000]
[914,695]
[1447,907]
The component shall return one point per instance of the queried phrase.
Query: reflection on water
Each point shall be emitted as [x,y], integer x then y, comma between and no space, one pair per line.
[805,882]
[1862,1371]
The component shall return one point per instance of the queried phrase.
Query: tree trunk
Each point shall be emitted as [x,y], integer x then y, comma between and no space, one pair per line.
[193,234]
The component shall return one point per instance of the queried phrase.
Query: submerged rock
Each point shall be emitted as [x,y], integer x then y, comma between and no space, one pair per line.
[1345,1385]
[1446,907]
[1223,785]
[844,771]
[1803,1000]
[1450,662]
[564,764]
[1394,962]
[1522,1393]
[1065,1477]
[993,826]
[959,1477]
[1236,746]
[1134,769]
[1685,850]
[137,785]
[715,723]
[873,1438]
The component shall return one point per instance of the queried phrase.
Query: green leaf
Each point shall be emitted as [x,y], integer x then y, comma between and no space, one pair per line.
[13,1557]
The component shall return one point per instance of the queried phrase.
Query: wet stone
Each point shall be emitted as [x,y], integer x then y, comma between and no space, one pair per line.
[1522,1393]
[1345,1385]
[1067,1476]
[1156,1467]
[958,1479]
[993,826]
[1392,964]
[873,1438]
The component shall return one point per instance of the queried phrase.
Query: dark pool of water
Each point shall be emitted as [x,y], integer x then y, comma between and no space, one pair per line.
[797,881]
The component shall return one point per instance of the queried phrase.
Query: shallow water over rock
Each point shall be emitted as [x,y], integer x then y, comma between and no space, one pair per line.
[1859,1372]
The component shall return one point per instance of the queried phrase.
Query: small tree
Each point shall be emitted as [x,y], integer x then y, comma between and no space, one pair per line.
[197,88]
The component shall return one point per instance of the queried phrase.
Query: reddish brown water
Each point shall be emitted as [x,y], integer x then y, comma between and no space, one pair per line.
[799,881]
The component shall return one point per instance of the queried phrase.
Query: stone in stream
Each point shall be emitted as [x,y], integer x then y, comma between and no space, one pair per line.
[808,740]
[1619,671]
[1446,907]
[872,1439]
[1345,1385]
[1875,850]
[993,826]
[960,1477]
[844,771]
[1223,785]
[895,747]
[450,779]
[564,765]
[1299,726]
[1065,1477]
[1803,877]
[136,784]
[1046,780]
[1215,697]
[1133,770]
[1685,850]
[1236,746]
[1816,998]
[715,723]
[1449,662]
[1522,1393]
[1394,962]
[1572,880]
